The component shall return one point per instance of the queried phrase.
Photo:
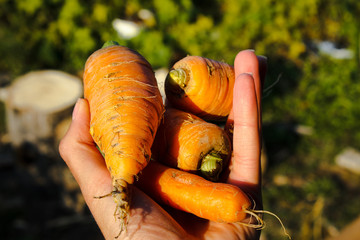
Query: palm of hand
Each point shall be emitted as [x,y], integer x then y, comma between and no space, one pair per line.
[151,221]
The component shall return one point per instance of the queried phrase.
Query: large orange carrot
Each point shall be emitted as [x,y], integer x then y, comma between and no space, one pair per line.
[201,86]
[126,108]
[188,192]
[189,143]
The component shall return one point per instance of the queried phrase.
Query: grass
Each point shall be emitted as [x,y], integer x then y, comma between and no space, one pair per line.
[303,186]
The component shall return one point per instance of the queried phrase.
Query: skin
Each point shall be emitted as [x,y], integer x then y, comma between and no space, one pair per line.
[149,220]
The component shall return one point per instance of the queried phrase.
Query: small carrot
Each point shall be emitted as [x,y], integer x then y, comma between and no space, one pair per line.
[189,143]
[201,86]
[126,108]
[214,201]
[219,202]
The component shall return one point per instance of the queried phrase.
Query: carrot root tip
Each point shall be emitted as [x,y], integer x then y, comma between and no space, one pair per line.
[122,198]
[260,222]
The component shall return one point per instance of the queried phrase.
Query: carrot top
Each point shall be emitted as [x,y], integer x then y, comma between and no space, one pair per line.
[110,43]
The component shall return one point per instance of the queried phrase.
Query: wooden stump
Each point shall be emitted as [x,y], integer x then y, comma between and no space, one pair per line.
[36,103]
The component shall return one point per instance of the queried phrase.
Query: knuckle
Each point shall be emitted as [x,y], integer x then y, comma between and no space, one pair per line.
[64,148]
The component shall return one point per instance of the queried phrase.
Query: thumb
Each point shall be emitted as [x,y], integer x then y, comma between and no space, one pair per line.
[78,149]
[87,165]
[80,125]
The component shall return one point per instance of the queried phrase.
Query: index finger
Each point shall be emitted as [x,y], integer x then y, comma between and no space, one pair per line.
[247,62]
[245,162]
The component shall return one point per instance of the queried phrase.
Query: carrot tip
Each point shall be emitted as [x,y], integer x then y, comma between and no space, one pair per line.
[261,224]
[122,198]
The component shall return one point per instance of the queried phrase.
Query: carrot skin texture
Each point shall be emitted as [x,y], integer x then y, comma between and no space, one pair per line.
[219,202]
[126,108]
[207,91]
[184,140]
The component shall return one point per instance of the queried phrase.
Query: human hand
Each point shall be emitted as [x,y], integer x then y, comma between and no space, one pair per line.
[148,220]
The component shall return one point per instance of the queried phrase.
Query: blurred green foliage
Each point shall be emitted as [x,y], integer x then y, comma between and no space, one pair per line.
[61,34]
[314,89]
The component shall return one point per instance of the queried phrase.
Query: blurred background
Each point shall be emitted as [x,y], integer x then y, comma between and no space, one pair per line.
[310,106]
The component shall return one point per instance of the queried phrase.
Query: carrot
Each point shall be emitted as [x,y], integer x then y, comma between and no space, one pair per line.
[219,202]
[189,143]
[126,108]
[214,201]
[201,86]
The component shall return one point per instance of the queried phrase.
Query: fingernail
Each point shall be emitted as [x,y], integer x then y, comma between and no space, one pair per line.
[76,109]
[252,50]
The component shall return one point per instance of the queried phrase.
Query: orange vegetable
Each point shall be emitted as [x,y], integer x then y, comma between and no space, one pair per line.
[188,192]
[189,143]
[201,86]
[126,108]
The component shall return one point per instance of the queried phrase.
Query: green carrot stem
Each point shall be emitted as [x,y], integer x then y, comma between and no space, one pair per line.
[211,166]
[178,77]
[110,43]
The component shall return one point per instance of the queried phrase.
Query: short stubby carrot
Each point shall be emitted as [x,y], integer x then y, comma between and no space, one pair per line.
[126,108]
[201,86]
[219,202]
[189,143]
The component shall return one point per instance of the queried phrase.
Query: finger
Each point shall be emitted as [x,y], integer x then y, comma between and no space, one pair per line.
[245,163]
[79,151]
[247,62]
[89,169]
[87,165]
